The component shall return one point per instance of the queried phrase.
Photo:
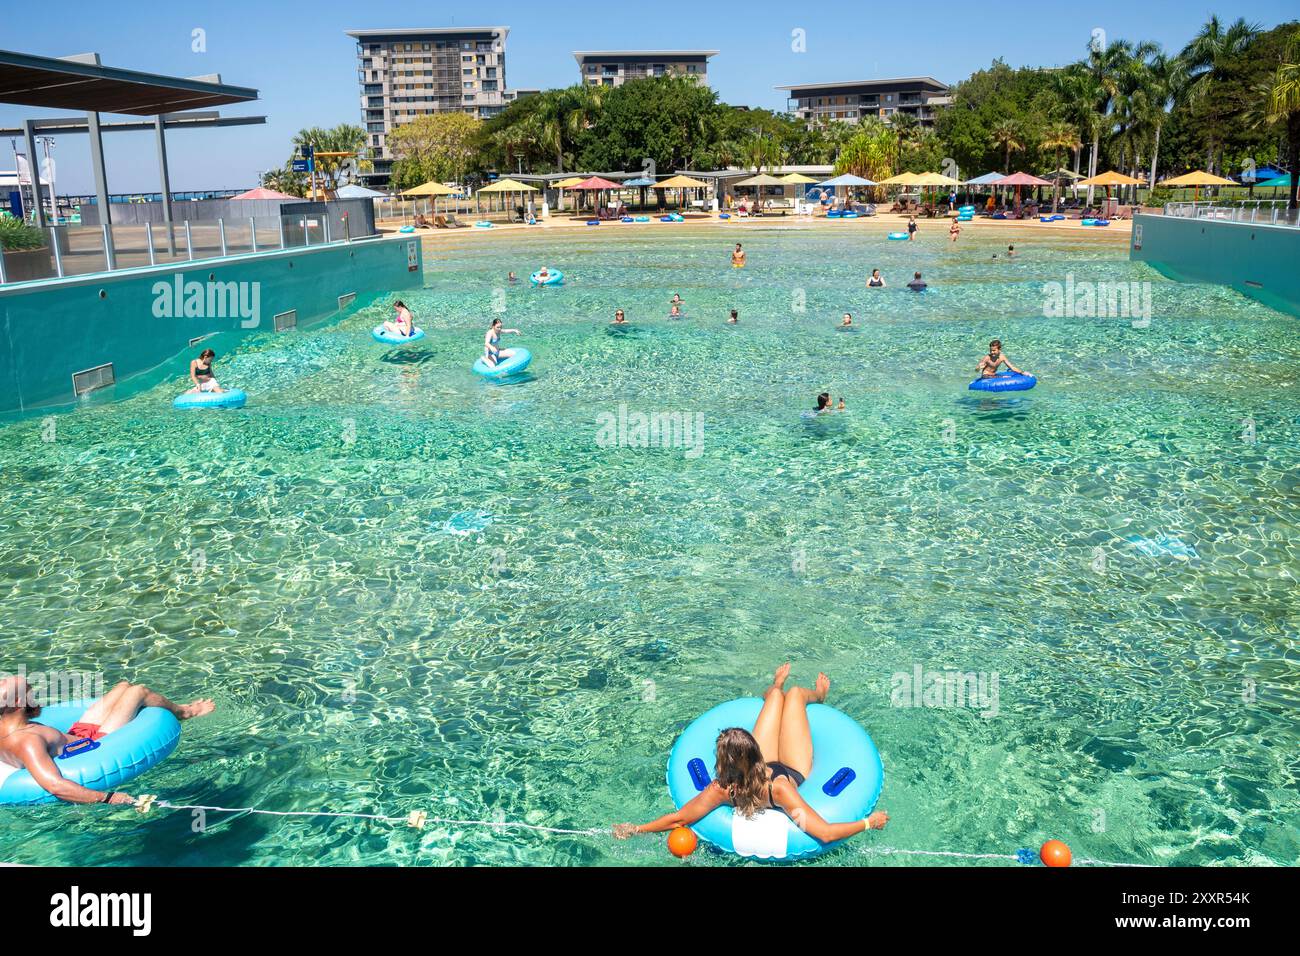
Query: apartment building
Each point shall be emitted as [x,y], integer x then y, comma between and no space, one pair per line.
[616,67]
[408,73]
[849,102]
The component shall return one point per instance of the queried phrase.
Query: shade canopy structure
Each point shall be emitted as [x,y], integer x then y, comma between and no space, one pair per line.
[902,179]
[1022,179]
[1057,175]
[988,179]
[680,182]
[797,179]
[353,191]
[1281,182]
[1261,173]
[85,85]
[1113,178]
[1197,178]
[567,183]
[847,179]
[263,193]
[639,182]
[594,184]
[500,186]
[762,179]
[430,188]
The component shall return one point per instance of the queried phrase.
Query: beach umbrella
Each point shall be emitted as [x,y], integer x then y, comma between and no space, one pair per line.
[430,188]
[564,184]
[847,180]
[353,191]
[1112,178]
[1197,179]
[1021,179]
[902,179]
[641,183]
[680,182]
[797,179]
[507,186]
[594,184]
[262,192]
[1281,182]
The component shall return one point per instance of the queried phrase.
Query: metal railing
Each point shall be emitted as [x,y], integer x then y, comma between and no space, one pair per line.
[1259,212]
[76,250]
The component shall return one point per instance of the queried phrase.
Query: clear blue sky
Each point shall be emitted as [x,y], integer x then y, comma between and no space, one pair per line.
[298,56]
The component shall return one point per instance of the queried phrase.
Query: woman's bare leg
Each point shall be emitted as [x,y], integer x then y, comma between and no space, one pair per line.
[767,729]
[796,746]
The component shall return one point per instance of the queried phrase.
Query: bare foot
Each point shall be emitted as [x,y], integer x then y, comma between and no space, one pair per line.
[779,678]
[823,685]
[198,708]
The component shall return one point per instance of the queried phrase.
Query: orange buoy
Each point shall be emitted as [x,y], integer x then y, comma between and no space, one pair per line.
[682,842]
[1054,853]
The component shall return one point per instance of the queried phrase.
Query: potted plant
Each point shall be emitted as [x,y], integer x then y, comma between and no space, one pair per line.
[26,250]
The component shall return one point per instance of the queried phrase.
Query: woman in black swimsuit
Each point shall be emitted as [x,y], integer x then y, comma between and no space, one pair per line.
[764,768]
[201,373]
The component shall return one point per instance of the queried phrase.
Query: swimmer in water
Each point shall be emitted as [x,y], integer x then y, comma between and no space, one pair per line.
[493,354]
[911,228]
[988,366]
[735,318]
[763,767]
[201,373]
[954,231]
[402,324]
[676,312]
[847,321]
[876,281]
[1011,252]
[738,257]
[543,274]
[676,300]
[512,278]
[917,284]
[35,747]
[619,318]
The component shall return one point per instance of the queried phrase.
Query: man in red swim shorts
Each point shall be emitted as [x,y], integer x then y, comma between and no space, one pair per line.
[33,746]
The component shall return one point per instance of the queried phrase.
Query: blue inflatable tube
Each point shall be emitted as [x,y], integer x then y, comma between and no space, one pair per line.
[898,235]
[483,224]
[642,218]
[121,756]
[843,786]
[554,277]
[388,338]
[230,398]
[511,366]
[1004,382]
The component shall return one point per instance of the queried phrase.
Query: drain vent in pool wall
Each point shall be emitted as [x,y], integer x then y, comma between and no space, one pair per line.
[92,378]
[347,299]
[286,320]
[196,341]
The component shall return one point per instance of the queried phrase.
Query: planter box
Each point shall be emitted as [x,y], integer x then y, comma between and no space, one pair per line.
[23,265]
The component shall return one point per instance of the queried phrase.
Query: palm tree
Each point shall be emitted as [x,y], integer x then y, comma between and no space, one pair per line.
[1007,136]
[1206,61]
[1103,75]
[1282,107]
[1161,81]
[1056,137]
[344,138]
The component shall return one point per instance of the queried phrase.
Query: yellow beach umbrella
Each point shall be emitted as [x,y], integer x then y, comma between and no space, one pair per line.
[1109,179]
[430,188]
[902,179]
[931,179]
[796,179]
[680,182]
[1197,179]
[505,186]
[566,184]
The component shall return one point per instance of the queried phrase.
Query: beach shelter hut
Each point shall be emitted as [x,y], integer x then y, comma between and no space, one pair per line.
[594,184]
[758,182]
[1021,179]
[1281,182]
[503,186]
[680,182]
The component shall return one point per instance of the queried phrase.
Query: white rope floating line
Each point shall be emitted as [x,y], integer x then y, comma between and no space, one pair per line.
[419,818]
[416,818]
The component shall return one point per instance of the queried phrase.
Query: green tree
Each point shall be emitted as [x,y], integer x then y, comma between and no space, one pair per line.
[438,146]
[1281,94]
[1059,136]
[1007,137]
[335,171]
[1208,60]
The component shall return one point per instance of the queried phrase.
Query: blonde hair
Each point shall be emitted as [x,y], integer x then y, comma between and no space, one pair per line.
[741,771]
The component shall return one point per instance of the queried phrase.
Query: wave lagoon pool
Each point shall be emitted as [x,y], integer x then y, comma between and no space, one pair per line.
[408,589]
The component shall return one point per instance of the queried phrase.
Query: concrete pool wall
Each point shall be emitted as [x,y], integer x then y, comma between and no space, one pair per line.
[61,338]
[1261,261]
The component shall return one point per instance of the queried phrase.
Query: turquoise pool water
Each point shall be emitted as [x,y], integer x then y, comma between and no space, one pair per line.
[408,589]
